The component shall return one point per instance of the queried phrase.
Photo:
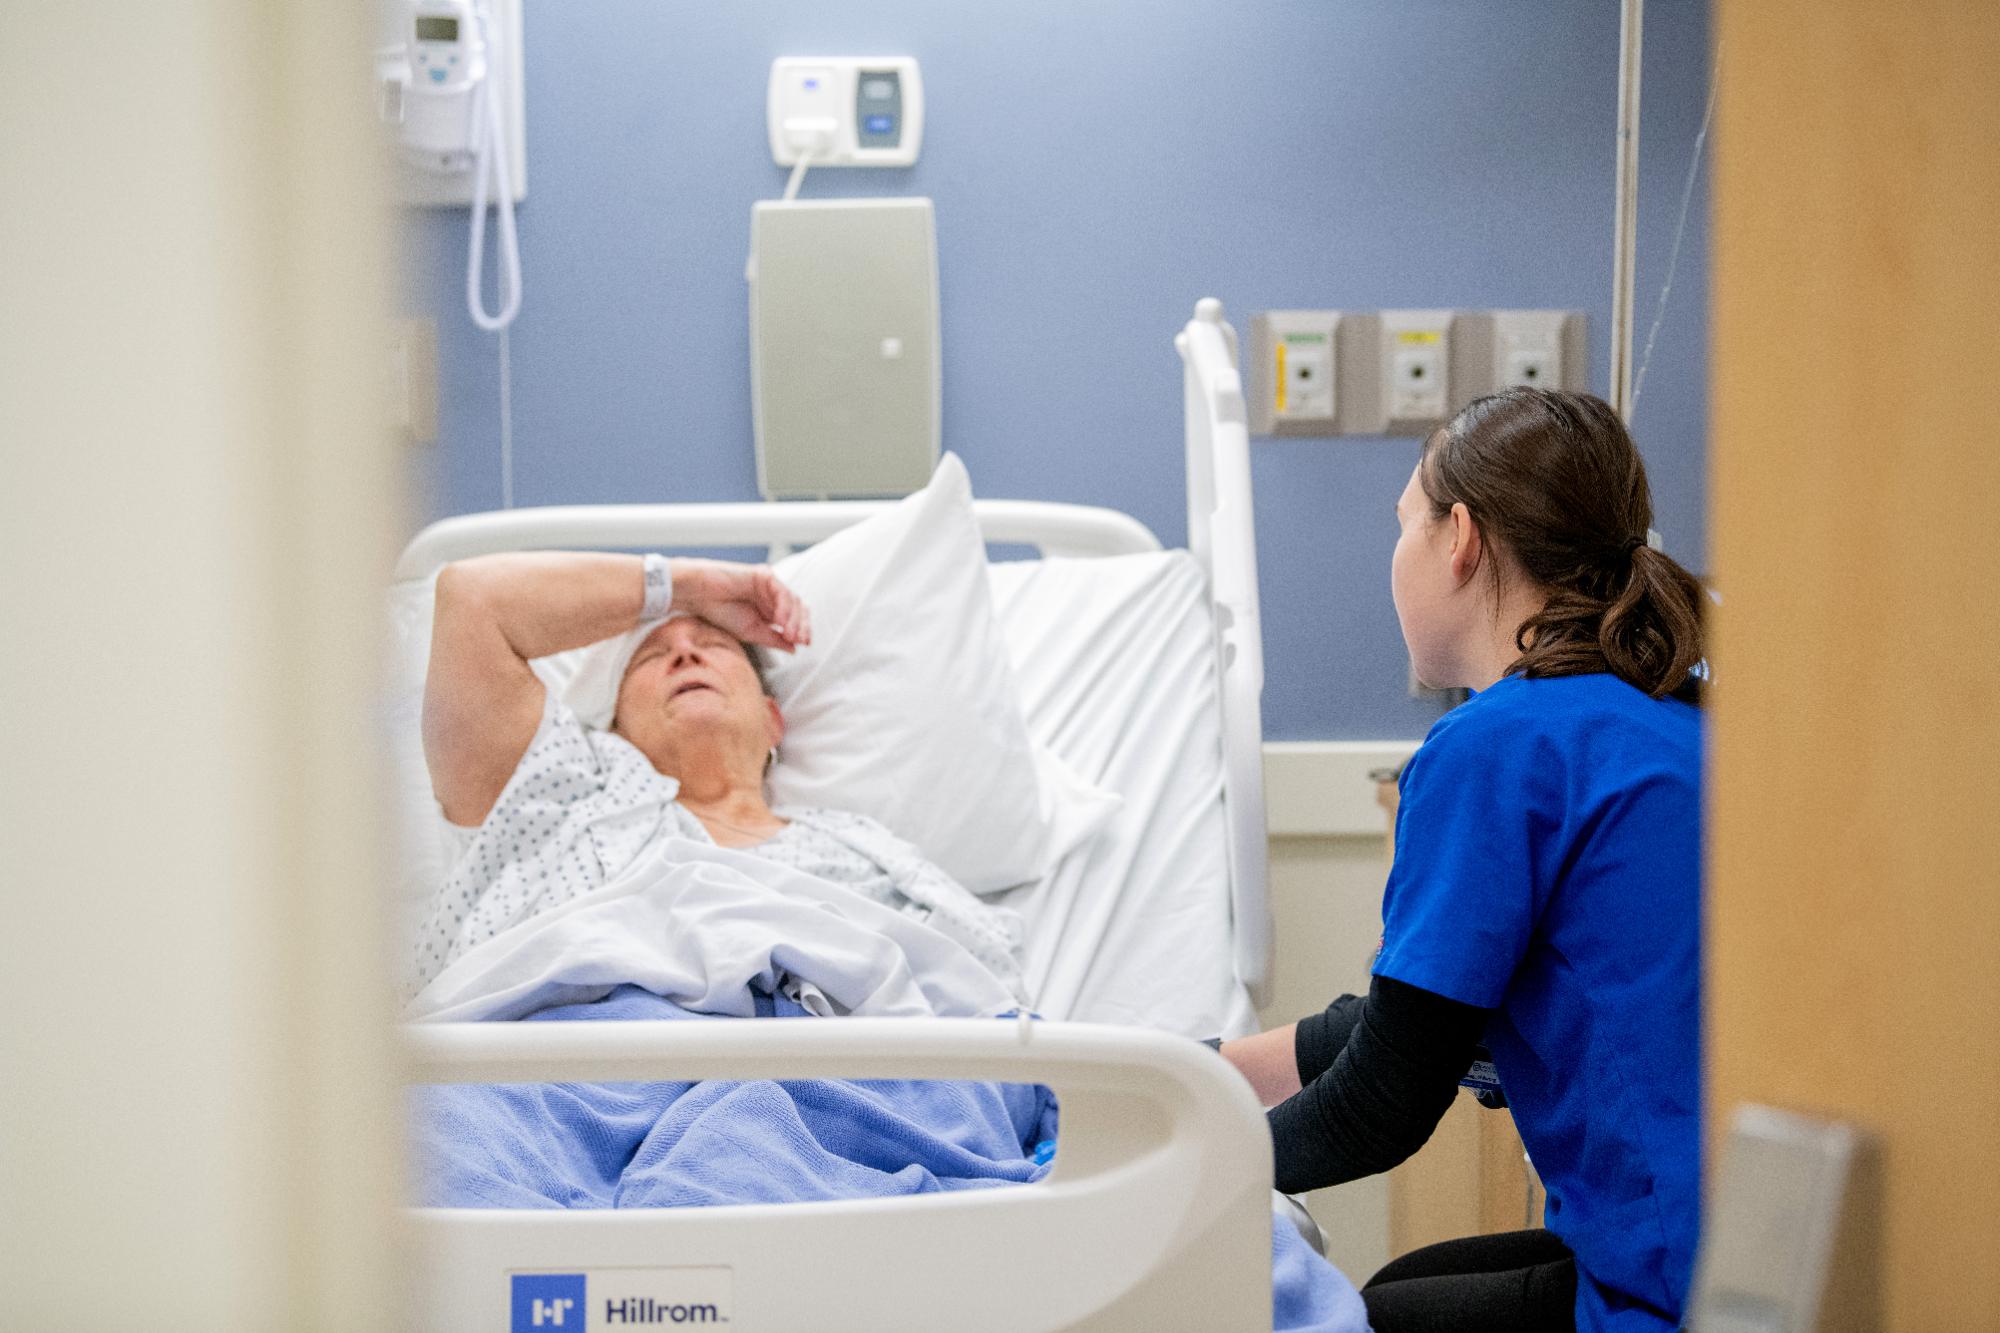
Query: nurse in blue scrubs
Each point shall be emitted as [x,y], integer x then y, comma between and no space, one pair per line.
[1545,901]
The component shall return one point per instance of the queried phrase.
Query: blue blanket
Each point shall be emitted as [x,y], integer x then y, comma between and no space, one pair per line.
[625,1145]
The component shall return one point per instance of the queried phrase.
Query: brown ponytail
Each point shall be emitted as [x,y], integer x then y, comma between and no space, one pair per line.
[1557,481]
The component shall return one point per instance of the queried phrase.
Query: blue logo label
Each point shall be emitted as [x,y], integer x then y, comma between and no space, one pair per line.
[548,1301]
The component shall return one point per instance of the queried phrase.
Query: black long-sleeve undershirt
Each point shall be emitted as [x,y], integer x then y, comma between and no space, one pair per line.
[1319,1038]
[1377,1074]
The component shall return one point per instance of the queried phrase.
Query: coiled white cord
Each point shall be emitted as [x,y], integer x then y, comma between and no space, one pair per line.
[506,424]
[491,164]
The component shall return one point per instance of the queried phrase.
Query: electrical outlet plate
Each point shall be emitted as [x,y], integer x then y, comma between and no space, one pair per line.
[414,380]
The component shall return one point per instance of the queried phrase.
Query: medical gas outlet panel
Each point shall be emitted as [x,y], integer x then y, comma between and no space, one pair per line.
[1402,372]
[845,111]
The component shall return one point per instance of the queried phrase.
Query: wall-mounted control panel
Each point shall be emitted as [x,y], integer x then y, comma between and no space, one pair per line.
[846,111]
[1402,372]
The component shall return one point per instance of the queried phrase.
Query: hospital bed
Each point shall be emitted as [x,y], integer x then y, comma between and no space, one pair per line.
[1157,1211]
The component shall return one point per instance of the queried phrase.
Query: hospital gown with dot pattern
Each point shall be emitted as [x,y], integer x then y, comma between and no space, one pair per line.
[582,805]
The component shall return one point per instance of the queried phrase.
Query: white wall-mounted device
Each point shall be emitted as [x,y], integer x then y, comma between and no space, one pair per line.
[846,111]
[1528,348]
[1303,370]
[1543,349]
[449,77]
[845,388]
[1536,349]
[1402,372]
[425,64]
[1416,369]
[1294,372]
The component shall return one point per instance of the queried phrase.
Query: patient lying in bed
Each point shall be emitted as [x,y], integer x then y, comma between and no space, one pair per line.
[638,872]
[547,810]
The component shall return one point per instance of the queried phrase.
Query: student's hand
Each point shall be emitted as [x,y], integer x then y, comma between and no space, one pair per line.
[748,601]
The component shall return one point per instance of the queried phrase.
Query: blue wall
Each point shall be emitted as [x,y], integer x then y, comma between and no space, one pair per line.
[1097,166]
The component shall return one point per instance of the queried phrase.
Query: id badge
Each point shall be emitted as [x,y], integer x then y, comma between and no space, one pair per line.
[1481,1077]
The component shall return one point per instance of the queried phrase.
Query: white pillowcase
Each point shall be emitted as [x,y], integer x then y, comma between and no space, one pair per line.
[904,707]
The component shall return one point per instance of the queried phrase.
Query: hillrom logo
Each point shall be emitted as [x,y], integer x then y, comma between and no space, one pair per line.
[552,1302]
[548,1300]
[646,1310]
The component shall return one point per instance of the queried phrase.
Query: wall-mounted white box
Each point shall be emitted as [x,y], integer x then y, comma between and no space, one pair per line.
[1539,349]
[1294,372]
[845,388]
[1415,369]
[1313,372]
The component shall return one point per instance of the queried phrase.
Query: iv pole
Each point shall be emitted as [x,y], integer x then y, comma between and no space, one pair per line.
[1625,217]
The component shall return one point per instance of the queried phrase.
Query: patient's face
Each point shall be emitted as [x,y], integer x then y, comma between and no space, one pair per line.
[690,680]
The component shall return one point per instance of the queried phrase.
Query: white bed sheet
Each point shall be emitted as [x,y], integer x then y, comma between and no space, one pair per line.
[1114,658]
[700,925]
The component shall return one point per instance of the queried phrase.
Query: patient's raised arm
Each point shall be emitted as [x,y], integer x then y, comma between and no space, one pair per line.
[482,702]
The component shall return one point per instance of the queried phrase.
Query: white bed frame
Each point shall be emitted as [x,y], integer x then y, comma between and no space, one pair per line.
[1157,1211]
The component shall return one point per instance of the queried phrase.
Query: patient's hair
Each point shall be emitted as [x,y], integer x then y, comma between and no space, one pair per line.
[1557,481]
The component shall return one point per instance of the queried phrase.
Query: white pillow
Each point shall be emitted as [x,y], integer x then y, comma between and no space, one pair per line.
[904,707]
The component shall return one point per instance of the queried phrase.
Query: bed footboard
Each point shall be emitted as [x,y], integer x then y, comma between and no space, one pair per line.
[1155,1215]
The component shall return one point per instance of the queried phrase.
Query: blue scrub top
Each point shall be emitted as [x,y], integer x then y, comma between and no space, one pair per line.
[1548,867]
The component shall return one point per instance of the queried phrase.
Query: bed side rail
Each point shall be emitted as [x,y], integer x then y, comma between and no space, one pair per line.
[1156,1213]
[1222,535]
[1055,529]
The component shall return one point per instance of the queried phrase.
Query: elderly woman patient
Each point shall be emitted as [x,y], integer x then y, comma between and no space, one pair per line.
[560,793]
[546,808]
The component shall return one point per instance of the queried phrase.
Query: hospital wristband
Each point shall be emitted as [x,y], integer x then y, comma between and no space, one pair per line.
[659,582]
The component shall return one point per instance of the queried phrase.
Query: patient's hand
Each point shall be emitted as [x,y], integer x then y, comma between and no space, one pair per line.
[748,601]
[1267,1061]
